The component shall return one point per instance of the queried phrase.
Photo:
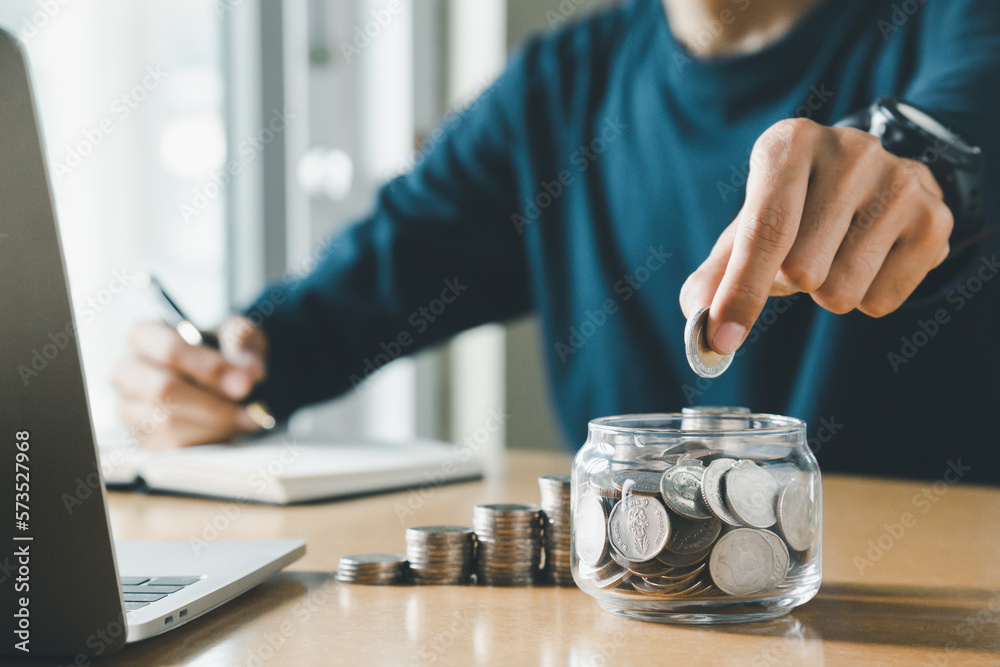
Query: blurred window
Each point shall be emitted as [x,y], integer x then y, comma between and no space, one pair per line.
[131,97]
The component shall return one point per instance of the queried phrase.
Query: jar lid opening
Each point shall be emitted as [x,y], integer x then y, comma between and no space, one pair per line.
[707,424]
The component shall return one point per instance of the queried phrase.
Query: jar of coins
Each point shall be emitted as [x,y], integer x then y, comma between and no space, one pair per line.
[712,515]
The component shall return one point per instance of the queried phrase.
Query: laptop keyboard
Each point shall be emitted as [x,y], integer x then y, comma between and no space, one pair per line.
[140,591]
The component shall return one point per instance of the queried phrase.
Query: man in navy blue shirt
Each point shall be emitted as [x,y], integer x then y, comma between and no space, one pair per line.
[667,147]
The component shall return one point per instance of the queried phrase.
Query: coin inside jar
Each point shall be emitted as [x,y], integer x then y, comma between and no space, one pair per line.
[779,570]
[795,515]
[638,527]
[644,482]
[715,417]
[692,535]
[590,531]
[712,492]
[680,488]
[751,494]
[704,361]
[742,562]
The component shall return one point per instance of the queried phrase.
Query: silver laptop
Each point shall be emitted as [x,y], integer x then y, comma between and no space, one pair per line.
[66,589]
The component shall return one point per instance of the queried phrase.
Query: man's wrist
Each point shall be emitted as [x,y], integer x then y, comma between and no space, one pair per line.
[907,131]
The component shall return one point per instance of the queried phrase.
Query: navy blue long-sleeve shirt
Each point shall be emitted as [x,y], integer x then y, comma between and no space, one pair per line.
[595,175]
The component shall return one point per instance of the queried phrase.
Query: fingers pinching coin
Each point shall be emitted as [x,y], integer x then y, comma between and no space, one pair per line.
[704,361]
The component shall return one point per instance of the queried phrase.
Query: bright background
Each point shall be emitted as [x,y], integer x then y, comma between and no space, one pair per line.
[223,67]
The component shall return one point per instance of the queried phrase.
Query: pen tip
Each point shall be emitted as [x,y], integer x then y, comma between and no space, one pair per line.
[261,415]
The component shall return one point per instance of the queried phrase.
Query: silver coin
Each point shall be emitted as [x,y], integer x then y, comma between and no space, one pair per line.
[512,512]
[507,508]
[366,581]
[439,534]
[679,576]
[618,558]
[742,562]
[697,455]
[556,486]
[650,568]
[706,418]
[680,488]
[795,515]
[715,410]
[711,490]
[603,486]
[644,482]
[695,591]
[751,494]
[638,527]
[433,557]
[590,530]
[781,561]
[606,577]
[690,536]
[440,570]
[682,560]
[511,548]
[381,560]
[704,361]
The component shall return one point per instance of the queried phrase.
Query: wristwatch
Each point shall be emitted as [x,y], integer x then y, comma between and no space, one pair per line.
[910,132]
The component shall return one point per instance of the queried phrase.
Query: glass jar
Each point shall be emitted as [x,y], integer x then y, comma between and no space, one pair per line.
[712,515]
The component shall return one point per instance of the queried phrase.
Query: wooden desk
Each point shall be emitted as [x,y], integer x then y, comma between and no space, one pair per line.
[930,595]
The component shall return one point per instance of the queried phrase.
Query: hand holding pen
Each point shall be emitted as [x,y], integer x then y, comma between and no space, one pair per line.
[179,388]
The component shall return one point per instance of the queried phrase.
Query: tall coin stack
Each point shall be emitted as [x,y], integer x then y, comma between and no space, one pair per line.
[555,490]
[509,544]
[372,569]
[440,555]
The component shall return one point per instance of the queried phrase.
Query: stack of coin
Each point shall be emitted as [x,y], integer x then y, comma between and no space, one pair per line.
[440,555]
[728,528]
[372,569]
[555,490]
[509,544]
[715,418]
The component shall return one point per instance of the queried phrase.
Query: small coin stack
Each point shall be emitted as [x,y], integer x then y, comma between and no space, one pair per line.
[372,569]
[727,528]
[509,544]
[440,555]
[555,490]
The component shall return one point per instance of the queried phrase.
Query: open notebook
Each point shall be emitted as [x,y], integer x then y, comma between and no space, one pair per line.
[287,471]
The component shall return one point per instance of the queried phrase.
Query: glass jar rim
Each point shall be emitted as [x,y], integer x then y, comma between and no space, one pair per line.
[615,425]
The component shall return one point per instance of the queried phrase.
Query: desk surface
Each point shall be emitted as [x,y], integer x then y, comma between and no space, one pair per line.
[927,595]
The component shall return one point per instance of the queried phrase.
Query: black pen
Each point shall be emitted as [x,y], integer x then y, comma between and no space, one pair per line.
[171,313]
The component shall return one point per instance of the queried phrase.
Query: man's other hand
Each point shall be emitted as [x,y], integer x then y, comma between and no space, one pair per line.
[176,395]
